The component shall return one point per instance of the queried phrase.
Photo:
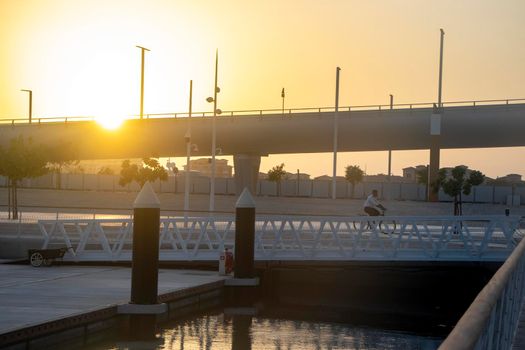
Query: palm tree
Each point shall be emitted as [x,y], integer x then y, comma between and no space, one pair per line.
[277,174]
[354,174]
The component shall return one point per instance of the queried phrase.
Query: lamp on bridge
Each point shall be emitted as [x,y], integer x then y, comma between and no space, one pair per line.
[143,49]
[216,111]
[30,103]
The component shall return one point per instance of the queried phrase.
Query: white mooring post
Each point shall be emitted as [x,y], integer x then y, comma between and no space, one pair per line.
[244,236]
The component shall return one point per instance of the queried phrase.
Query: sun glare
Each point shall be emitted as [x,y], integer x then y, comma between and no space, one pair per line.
[110,122]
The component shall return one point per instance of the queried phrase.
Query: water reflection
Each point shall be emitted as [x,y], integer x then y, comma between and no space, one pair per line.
[242,332]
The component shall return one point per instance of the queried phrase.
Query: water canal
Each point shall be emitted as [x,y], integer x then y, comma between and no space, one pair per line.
[406,307]
[219,329]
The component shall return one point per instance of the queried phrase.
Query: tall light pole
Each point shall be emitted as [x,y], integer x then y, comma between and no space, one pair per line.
[336,126]
[214,133]
[30,103]
[435,130]
[187,138]
[390,151]
[282,96]
[442,36]
[143,50]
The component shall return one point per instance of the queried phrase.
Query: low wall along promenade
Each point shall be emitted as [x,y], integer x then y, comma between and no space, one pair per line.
[288,188]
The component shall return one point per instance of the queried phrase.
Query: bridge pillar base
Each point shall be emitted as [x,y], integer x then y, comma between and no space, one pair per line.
[246,172]
[433,168]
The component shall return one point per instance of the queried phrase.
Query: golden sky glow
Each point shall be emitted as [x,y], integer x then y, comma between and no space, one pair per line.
[79,58]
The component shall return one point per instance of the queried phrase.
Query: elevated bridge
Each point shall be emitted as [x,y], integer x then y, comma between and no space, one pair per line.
[248,135]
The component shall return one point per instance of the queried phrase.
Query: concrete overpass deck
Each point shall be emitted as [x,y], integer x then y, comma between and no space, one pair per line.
[248,135]
[296,131]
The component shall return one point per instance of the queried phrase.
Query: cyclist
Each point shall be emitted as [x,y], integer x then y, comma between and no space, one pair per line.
[372,204]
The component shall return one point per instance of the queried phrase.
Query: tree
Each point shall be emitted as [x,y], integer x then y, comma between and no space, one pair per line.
[60,156]
[22,159]
[422,178]
[106,171]
[459,183]
[277,174]
[151,170]
[354,174]
[422,175]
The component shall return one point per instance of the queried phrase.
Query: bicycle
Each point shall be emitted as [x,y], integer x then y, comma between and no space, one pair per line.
[386,227]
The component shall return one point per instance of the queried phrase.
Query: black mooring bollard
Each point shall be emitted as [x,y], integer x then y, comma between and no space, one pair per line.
[241,335]
[244,236]
[145,260]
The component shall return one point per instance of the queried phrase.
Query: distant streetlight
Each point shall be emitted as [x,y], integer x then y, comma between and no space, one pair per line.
[390,156]
[390,151]
[336,121]
[442,35]
[187,138]
[30,103]
[143,49]
[283,95]
[216,111]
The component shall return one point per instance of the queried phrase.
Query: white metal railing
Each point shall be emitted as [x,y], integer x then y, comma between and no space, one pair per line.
[288,111]
[430,238]
[492,319]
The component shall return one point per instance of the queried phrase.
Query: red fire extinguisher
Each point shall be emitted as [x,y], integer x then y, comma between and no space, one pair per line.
[225,262]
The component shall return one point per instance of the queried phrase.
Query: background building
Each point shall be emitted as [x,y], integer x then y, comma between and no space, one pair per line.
[410,173]
[109,166]
[203,166]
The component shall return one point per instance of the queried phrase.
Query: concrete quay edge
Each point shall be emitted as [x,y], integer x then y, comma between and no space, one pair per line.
[97,319]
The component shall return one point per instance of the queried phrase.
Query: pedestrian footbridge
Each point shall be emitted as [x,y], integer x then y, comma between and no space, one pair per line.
[494,320]
[294,238]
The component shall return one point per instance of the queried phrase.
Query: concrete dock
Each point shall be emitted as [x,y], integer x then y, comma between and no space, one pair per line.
[62,297]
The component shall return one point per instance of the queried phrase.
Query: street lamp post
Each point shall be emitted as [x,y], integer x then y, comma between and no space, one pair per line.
[442,36]
[214,133]
[390,156]
[336,121]
[390,151]
[143,49]
[435,130]
[283,95]
[30,103]
[187,138]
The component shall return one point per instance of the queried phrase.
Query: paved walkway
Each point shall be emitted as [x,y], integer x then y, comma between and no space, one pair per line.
[31,296]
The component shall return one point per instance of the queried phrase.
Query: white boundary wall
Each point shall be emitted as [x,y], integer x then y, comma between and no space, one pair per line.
[288,188]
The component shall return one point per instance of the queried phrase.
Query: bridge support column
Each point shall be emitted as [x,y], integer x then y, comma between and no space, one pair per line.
[435,143]
[246,172]
[433,168]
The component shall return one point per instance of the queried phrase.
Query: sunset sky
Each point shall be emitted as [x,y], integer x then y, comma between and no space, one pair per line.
[79,58]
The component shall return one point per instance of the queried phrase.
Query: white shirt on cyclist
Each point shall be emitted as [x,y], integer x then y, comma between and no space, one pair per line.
[372,202]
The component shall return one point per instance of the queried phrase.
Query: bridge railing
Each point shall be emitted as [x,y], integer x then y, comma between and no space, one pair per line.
[288,111]
[492,319]
[402,238]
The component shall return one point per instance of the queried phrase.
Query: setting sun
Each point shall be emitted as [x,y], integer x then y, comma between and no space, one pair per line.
[110,122]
